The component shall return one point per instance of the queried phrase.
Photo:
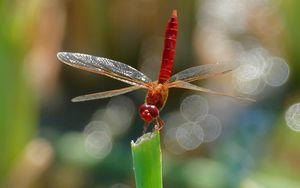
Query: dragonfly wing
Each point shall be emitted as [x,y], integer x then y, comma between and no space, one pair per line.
[104,66]
[186,85]
[105,94]
[203,72]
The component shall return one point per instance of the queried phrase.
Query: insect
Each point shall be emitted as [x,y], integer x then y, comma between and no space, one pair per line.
[157,90]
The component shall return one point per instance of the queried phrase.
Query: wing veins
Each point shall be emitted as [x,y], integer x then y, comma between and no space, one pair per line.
[93,64]
[105,94]
[186,85]
[203,72]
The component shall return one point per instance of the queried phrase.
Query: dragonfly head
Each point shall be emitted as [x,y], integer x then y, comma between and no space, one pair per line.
[148,112]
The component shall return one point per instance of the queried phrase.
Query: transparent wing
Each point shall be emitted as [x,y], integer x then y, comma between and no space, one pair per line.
[104,66]
[203,72]
[105,94]
[186,85]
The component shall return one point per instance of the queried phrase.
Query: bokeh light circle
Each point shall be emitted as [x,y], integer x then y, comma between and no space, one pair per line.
[96,126]
[249,87]
[277,72]
[292,117]
[193,107]
[211,126]
[98,144]
[116,117]
[189,135]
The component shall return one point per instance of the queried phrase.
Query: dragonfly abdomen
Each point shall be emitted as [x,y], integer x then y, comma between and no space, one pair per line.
[169,49]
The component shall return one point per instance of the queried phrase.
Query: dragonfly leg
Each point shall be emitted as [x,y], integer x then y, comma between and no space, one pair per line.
[159,124]
[146,125]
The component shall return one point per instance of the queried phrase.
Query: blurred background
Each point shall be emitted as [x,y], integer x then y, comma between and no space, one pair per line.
[208,141]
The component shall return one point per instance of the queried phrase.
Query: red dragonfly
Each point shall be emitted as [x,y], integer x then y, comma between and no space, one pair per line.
[157,90]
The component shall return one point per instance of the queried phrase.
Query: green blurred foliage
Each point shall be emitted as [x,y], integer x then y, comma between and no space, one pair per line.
[290,14]
[18,109]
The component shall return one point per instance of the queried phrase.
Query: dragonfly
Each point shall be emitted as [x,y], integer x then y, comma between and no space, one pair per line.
[157,90]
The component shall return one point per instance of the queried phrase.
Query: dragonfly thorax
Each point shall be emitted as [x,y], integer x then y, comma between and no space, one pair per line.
[148,112]
[157,95]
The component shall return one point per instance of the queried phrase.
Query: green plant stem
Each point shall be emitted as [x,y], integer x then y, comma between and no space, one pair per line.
[147,162]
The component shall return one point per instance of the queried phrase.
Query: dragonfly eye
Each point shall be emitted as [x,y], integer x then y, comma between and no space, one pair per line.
[148,112]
